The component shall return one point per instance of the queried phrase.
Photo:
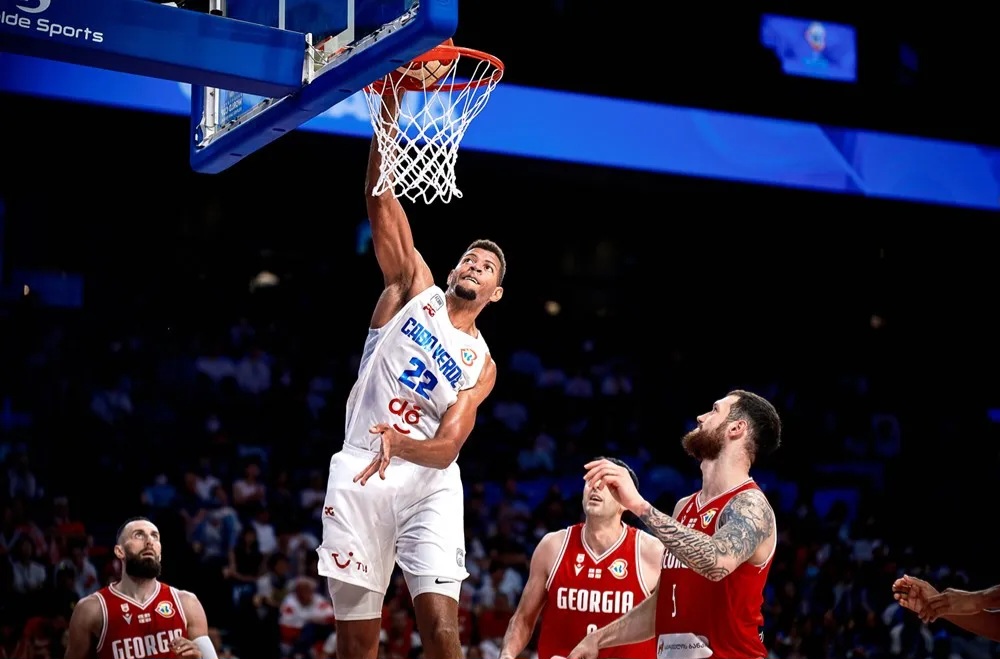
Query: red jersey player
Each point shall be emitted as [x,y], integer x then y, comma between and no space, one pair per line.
[139,617]
[583,577]
[720,542]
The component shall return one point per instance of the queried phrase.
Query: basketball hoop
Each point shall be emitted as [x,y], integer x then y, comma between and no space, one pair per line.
[419,146]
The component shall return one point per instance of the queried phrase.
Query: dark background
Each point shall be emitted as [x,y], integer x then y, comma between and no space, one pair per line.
[707,285]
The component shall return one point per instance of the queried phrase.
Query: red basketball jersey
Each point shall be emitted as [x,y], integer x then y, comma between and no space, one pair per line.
[692,611]
[587,591]
[140,630]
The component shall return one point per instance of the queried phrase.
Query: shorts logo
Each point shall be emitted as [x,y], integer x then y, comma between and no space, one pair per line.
[460,557]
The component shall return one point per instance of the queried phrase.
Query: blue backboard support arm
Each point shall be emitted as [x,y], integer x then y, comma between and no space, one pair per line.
[435,22]
[158,41]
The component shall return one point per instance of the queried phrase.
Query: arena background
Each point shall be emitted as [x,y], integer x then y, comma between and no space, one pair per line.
[869,323]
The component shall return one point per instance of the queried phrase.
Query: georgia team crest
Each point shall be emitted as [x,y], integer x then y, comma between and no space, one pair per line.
[165,609]
[619,568]
[468,356]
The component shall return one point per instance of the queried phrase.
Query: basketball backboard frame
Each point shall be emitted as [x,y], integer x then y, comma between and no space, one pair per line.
[343,65]
[212,52]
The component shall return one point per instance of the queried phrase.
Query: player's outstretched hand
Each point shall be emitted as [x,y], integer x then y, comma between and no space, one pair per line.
[604,473]
[185,647]
[381,461]
[913,593]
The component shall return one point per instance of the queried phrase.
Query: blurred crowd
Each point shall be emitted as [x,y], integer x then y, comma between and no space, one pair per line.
[223,439]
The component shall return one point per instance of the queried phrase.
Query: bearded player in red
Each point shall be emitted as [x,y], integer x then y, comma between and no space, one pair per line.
[139,616]
[584,577]
[720,542]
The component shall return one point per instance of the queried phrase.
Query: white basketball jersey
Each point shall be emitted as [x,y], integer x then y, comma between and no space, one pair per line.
[411,372]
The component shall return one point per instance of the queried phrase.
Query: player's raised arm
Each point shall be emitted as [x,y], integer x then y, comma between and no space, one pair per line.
[522,623]
[745,524]
[84,626]
[403,269]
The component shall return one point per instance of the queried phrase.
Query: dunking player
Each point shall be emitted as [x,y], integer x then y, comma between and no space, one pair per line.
[585,577]
[424,372]
[720,542]
[139,616]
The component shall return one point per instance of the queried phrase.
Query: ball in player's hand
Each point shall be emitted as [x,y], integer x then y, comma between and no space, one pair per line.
[427,73]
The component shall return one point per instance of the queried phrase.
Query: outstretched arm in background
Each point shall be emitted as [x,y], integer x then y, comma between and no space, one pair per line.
[636,626]
[522,623]
[403,269]
[973,611]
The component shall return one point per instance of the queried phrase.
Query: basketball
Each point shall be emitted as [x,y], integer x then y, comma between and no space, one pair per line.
[427,73]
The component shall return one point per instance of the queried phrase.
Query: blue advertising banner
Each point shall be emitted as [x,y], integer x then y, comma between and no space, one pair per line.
[538,123]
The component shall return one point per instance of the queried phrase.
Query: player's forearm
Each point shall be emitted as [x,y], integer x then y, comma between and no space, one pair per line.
[696,549]
[388,117]
[984,623]
[436,453]
[988,598]
[636,626]
[516,639]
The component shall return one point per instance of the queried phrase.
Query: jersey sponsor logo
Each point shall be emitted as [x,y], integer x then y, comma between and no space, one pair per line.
[147,645]
[707,517]
[423,337]
[165,609]
[619,568]
[586,600]
[468,356]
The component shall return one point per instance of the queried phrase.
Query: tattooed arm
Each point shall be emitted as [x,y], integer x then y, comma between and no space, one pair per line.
[744,524]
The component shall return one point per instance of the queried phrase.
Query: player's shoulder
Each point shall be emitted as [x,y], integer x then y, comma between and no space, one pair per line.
[89,610]
[553,540]
[750,496]
[649,545]
[682,502]
[183,596]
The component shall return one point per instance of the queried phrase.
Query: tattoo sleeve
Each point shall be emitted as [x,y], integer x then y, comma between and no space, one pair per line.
[745,522]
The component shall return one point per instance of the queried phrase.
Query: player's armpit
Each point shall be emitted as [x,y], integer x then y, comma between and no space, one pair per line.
[84,626]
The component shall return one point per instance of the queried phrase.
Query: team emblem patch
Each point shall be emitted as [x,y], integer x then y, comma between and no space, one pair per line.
[619,568]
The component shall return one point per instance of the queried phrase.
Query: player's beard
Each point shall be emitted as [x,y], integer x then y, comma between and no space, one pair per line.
[704,444]
[138,566]
[464,292]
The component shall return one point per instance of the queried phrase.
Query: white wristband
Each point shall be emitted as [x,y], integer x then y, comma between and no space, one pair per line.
[204,644]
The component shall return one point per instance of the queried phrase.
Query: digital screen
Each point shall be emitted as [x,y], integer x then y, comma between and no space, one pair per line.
[810,48]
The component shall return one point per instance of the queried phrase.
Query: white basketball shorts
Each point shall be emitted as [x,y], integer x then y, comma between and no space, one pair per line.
[415,517]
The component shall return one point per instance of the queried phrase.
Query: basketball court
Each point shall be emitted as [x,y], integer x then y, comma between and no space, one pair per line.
[259,69]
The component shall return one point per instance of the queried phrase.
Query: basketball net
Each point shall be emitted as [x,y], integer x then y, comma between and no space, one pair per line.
[419,147]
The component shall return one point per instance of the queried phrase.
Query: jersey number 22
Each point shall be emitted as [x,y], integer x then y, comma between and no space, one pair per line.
[419,378]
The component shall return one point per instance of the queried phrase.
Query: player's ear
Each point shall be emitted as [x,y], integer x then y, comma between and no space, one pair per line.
[451,277]
[119,552]
[497,294]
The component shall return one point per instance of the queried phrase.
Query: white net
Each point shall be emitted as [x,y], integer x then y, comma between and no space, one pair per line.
[419,142]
